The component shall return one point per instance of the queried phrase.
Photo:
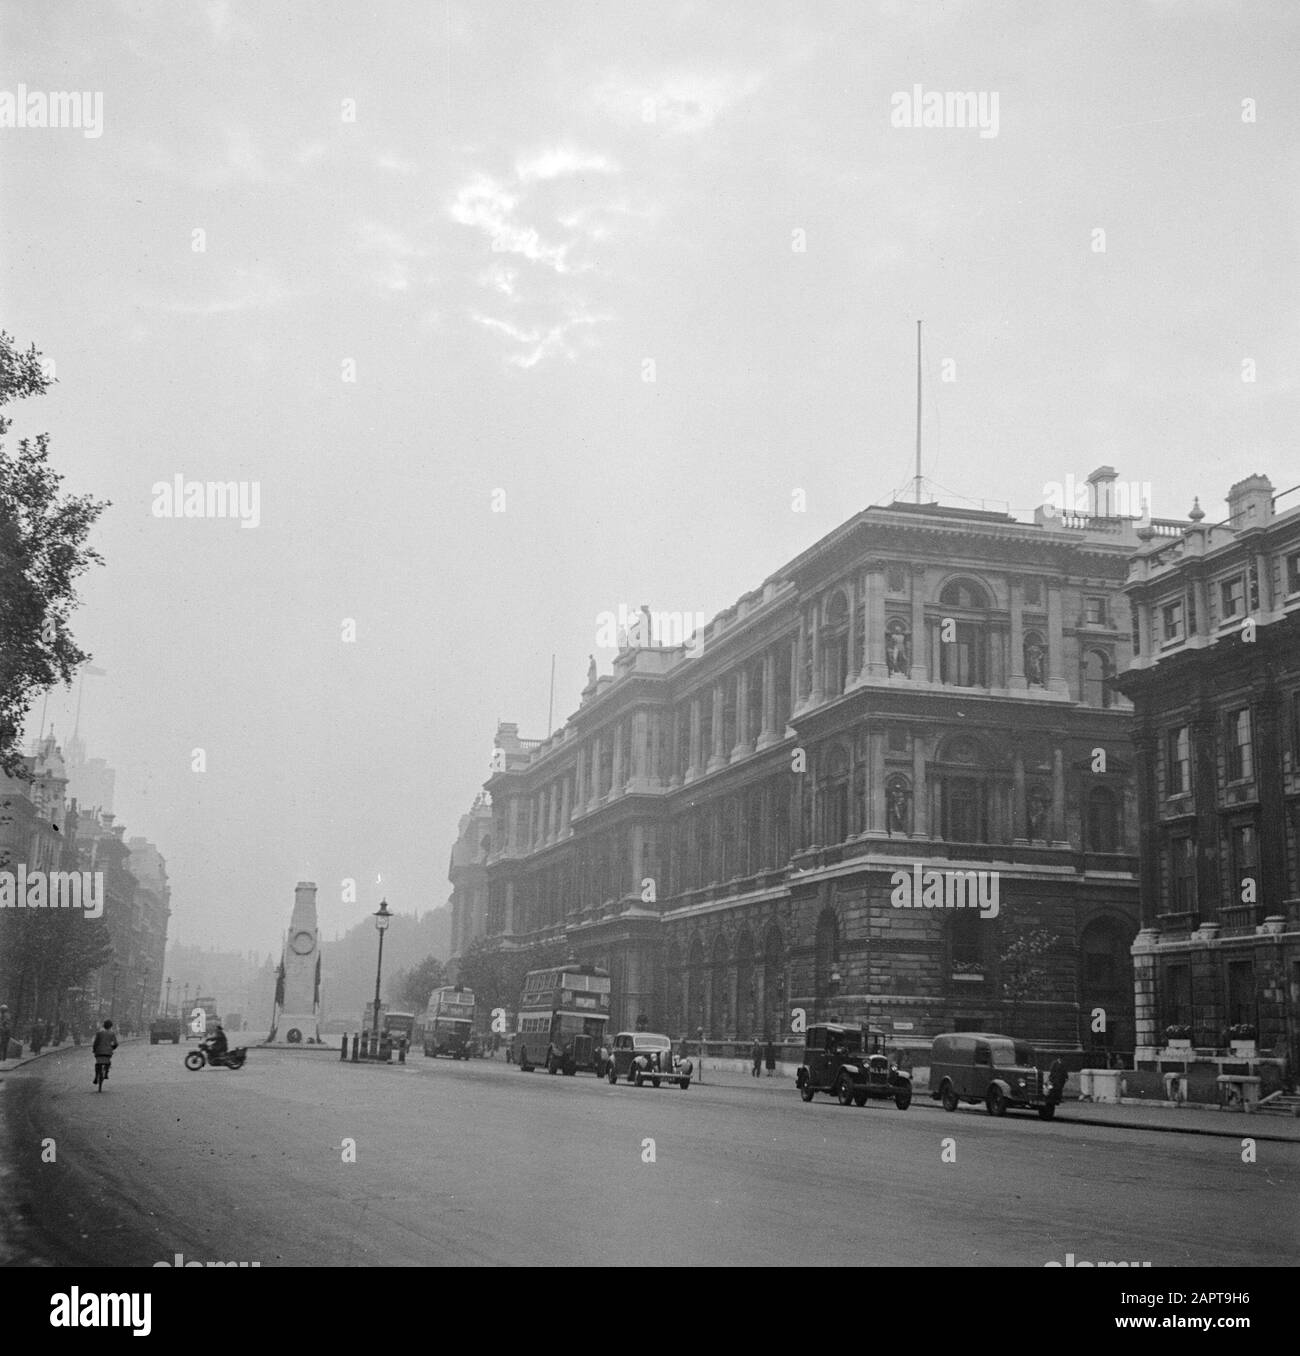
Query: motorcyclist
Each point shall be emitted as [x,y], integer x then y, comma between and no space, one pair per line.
[218,1044]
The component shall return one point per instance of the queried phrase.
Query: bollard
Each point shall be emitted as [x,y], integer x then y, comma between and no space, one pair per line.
[401,1053]
[356,1041]
[343,1053]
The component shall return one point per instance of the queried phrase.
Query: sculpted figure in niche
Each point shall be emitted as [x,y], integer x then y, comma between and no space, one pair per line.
[898,657]
[1038,809]
[898,807]
[1036,662]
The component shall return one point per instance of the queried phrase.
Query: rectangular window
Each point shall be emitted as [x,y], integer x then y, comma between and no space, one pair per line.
[1241,993]
[962,659]
[1232,596]
[1182,874]
[1094,611]
[1245,863]
[1178,773]
[1173,621]
[1241,759]
[1178,991]
[1293,573]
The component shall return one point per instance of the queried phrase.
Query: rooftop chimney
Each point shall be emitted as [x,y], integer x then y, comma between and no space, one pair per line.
[1250,502]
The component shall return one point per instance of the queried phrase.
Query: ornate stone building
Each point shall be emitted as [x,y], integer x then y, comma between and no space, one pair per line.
[467,872]
[925,688]
[1215,681]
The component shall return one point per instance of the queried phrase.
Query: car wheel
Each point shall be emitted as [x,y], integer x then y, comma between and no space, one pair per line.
[845,1092]
[685,1083]
[638,1080]
[948,1097]
[1047,1112]
[995,1102]
[654,1082]
[176,1040]
[613,1077]
[903,1098]
[806,1093]
[859,1099]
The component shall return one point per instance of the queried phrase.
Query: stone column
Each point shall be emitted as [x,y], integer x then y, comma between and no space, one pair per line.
[742,745]
[876,806]
[718,756]
[694,765]
[768,734]
[620,772]
[595,770]
[1058,795]
[920,785]
[1055,640]
[566,808]
[818,694]
[875,622]
[580,780]
[1017,681]
[1018,823]
[800,647]
[640,749]
[1202,593]
[920,641]
[851,671]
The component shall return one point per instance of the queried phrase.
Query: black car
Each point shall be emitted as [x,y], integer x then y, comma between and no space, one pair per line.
[850,1063]
[646,1056]
[165,1029]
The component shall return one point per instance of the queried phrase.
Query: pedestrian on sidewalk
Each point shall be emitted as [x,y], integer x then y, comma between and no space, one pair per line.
[771,1057]
[756,1054]
[5,1031]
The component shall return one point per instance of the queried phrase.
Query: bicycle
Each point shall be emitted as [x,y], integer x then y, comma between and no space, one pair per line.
[101,1073]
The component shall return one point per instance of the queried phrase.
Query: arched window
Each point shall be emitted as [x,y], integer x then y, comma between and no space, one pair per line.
[746,1019]
[1096,669]
[966,779]
[774,982]
[963,640]
[719,1025]
[1106,980]
[835,800]
[1103,820]
[835,645]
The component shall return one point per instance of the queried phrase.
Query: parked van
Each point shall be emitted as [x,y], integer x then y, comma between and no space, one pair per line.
[978,1066]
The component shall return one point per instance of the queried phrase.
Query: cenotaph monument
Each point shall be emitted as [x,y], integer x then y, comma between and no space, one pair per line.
[297,997]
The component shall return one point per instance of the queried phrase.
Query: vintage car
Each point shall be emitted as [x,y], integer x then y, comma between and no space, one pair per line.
[165,1029]
[1000,1071]
[641,1055]
[850,1063]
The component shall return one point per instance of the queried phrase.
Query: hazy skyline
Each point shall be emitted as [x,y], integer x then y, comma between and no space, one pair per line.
[528,206]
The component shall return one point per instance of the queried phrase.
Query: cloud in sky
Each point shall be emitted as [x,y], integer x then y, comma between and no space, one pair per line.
[540,222]
[681,101]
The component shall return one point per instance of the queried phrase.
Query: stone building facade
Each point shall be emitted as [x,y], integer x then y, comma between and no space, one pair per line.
[1215,682]
[722,824]
[467,872]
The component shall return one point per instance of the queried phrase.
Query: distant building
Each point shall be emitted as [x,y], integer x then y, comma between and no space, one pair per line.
[1215,684]
[724,823]
[467,872]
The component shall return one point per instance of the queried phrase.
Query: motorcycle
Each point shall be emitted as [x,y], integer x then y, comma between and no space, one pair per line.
[232,1059]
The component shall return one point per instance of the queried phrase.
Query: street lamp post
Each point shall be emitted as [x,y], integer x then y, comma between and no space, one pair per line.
[833,988]
[144,984]
[112,1002]
[169,995]
[382,919]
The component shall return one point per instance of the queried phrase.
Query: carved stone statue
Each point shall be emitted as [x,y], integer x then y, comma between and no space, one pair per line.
[897,656]
[1035,663]
[898,806]
[591,670]
[1037,810]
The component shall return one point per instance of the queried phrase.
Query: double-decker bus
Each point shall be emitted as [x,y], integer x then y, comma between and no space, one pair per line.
[449,1023]
[562,1017]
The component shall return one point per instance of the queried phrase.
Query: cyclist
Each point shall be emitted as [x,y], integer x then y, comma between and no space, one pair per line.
[104,1045]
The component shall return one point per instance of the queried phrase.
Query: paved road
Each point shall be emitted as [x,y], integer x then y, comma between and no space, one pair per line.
[477,1163]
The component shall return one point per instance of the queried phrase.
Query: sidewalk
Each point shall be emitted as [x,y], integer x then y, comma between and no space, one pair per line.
[9,1065]
[1157,1117]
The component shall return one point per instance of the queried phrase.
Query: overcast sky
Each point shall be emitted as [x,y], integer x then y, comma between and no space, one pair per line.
[533,203]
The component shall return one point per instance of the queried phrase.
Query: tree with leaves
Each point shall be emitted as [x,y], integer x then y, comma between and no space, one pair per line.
[1024,966]
[43,551]
[410,990]
[497,977]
